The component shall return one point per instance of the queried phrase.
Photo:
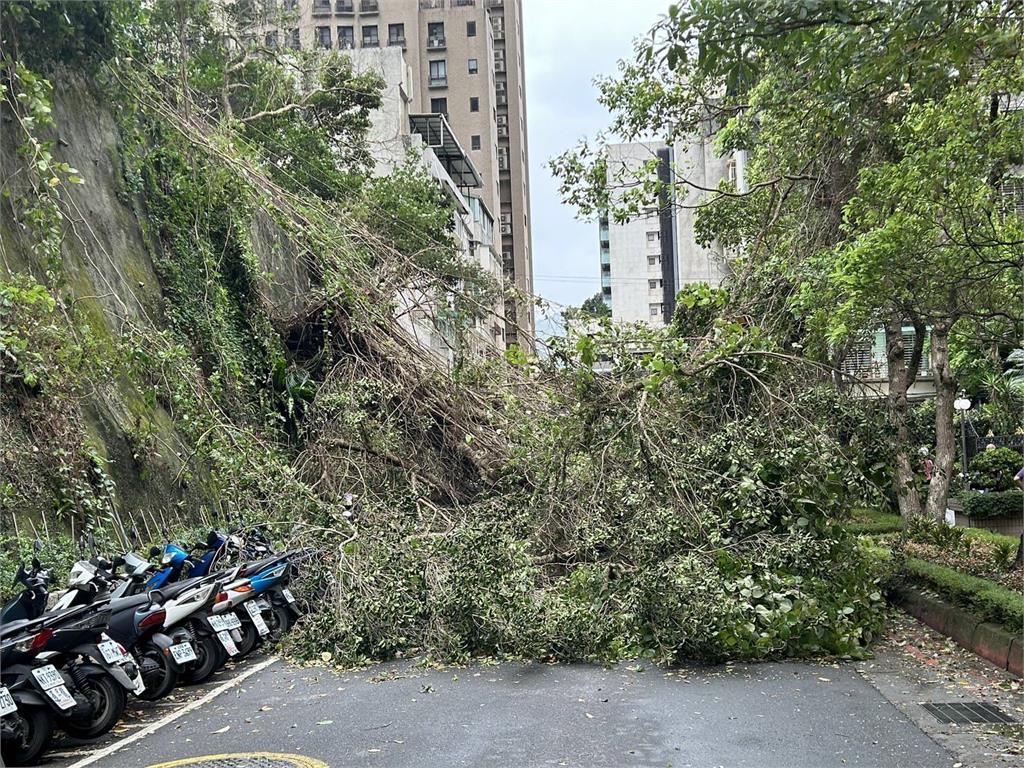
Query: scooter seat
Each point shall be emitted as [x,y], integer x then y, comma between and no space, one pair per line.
[24,626]
[119,604]
[253,568]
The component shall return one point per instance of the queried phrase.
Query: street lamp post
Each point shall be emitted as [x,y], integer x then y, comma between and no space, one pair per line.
[963,405]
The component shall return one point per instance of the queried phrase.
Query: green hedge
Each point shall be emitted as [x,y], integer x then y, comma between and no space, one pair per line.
[985,505]
[983,598]
[873,523]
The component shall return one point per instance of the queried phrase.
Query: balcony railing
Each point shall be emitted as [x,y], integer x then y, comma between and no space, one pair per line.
[439,82]
[346,7]
[426,5]
[374,43]
[436,44]
[369,6]
[463,3]
[321,7]
[397,41]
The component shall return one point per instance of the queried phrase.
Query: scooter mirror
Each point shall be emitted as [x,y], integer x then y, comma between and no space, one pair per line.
[37,545]
[154,551]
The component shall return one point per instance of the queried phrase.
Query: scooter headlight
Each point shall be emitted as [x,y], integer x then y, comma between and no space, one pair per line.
[166,559]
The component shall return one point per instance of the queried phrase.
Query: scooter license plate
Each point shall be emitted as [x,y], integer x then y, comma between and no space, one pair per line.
[183,653]
[225,623]
[111,652]
[48,677]
[288,595]
[228,643]
[257,618]
[61,696]
[7,704]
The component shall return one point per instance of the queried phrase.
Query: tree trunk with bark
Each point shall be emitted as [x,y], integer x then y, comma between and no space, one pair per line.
[945,434]
[902,374]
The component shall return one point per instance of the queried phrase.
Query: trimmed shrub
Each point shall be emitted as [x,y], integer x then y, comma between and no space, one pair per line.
[984,598]
[994,470]
[985,505]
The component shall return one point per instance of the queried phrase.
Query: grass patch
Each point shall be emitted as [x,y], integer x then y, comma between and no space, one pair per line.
[984,598]
[983,534]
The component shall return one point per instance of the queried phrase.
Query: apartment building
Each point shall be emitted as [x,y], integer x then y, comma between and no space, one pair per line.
[466,63]
[646,260]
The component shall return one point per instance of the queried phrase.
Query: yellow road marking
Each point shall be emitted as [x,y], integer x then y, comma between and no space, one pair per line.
[299,761]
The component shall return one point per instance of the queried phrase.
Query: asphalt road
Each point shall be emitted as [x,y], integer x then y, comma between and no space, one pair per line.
[400,716]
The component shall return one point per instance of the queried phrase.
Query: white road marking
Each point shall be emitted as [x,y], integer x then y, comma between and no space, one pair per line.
[190,707]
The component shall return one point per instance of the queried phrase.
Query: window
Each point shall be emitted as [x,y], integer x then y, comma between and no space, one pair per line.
[271,40]
[653,237]
[654,284]
[396,34]
[474,66]
[346,38]
[655,310]
[474,142]
[295,41]
[323,37]
[654,261]
[439,72]
[291,5]
[474,104]
[435,34]
[370,39]
[439,106]
[470,29]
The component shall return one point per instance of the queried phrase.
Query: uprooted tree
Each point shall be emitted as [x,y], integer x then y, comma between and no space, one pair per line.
[682,507]
[883,185]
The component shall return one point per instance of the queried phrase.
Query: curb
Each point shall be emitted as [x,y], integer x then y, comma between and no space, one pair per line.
[990,641]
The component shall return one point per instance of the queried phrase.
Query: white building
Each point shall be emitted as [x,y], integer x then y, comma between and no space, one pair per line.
[395,136]
[646,260]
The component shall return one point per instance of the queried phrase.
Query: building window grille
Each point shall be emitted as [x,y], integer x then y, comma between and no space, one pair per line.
[435,35]
[346,38]
[344,6]
[396,34]
[370,39]
[321,7]
[474,66]
[323,37]
[1012,192]
[439,72]
[369,6]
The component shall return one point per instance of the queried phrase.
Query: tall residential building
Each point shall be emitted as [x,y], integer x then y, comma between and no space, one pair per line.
[646,260]
[466,63]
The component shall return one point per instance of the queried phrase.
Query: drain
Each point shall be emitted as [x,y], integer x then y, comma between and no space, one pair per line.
[973,713]
[244,760]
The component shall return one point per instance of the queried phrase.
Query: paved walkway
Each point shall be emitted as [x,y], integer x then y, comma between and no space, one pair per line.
[399,716]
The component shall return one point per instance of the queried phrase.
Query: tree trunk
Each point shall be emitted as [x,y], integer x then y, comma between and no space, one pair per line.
[945,435]
[900,380]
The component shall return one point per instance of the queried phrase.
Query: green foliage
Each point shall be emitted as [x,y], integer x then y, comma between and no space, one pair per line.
[994,470]
[596,306]
[873,523]
[985,599]
[994,504]
[43,33]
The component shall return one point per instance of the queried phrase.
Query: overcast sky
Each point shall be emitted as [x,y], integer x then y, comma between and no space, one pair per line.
[568,43]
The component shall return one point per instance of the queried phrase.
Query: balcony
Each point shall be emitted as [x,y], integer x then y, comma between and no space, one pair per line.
[426,5]
[373,42]
[438,82]
[494,3]
[397,41]
[436,44]
[369,6]
[321,7]
[345,7]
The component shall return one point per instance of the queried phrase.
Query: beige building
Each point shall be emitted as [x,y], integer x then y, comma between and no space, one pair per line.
[466,62]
